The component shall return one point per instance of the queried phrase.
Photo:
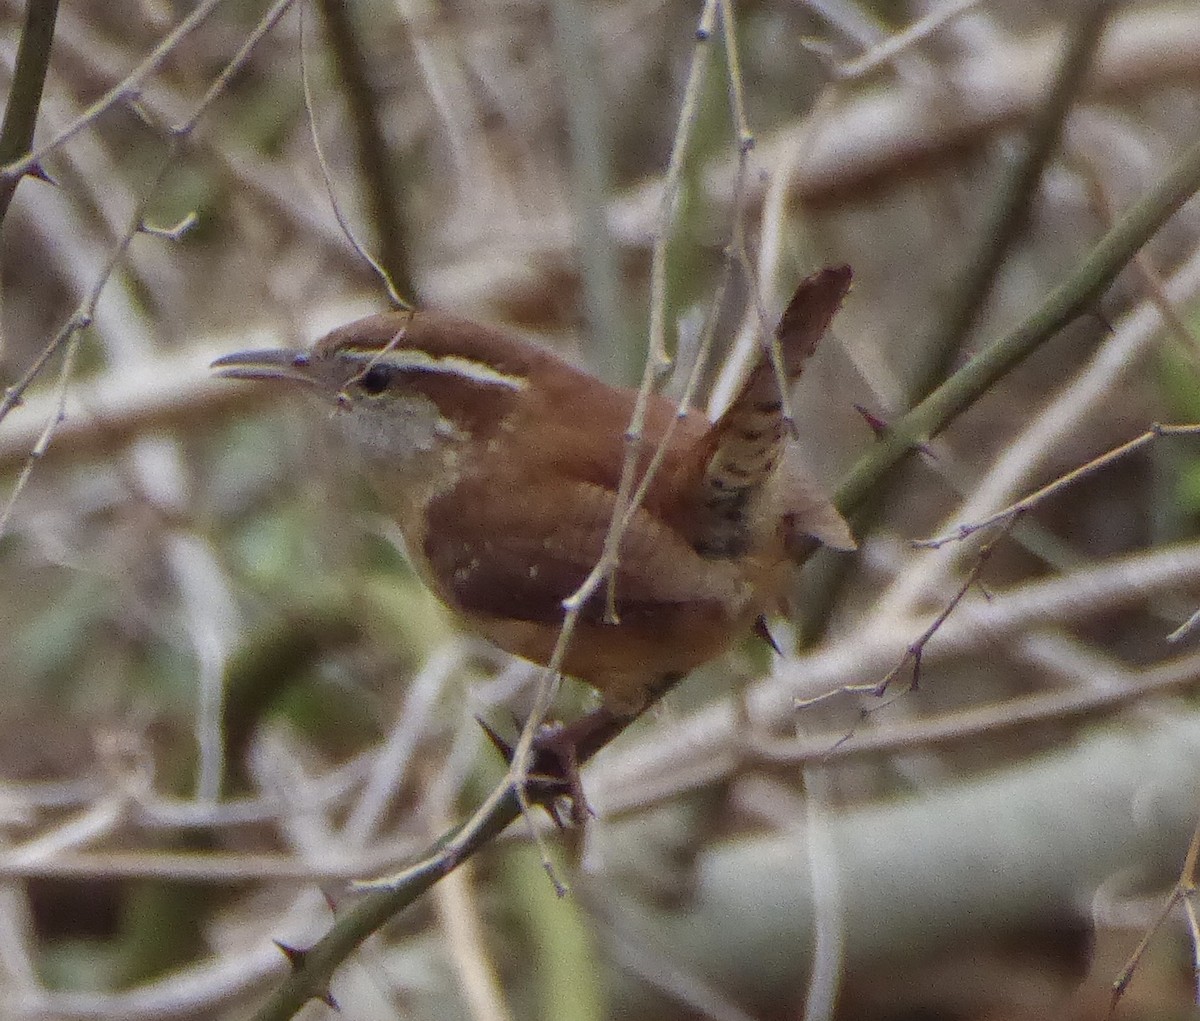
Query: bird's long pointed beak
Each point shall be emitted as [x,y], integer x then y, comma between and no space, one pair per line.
[289,366]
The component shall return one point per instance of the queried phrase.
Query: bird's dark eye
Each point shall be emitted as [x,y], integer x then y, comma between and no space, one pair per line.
[376,379]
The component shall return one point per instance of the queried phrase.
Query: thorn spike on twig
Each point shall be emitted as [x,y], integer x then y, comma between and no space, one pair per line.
[916,670]
[762,631]
[295,956]
[876,424]
[330,902]
[39,173]
[502,746]
[880,428]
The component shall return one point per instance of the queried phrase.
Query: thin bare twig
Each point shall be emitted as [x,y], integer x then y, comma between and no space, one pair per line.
[656,360]
[772,222]
[327,176]
[627,499]
[43,441]
[896,44]
[1156,290]
[707,335]
[1182,892]
[1026,503]
[375,157]
[954,728]
[81,318]
[769,337]
[916,649]
[126,88]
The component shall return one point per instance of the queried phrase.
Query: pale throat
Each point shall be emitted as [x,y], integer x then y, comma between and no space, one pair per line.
[414,447]
[411,448]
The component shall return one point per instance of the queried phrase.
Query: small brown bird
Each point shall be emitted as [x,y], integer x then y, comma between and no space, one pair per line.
[501,462]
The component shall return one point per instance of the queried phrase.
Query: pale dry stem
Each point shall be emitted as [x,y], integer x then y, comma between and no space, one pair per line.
[1182,893]
[331,191]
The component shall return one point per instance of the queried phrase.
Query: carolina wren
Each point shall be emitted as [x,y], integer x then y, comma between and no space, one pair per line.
[500,462]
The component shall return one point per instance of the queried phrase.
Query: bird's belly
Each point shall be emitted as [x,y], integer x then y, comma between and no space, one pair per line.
[628,660]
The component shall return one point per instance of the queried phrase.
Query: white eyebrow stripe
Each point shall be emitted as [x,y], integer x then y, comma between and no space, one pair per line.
[413,360]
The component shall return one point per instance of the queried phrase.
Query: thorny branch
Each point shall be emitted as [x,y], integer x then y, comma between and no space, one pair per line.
[1013,510]
[1071,299]
[913,656]
[67,337]
[916,649]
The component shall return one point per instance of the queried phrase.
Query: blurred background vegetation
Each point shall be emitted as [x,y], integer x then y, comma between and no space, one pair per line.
[225,694]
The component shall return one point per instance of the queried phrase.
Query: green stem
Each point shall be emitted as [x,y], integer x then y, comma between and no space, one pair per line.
[1002,227]
[312,970]
[29,78]
[1010,212]
[1071,299]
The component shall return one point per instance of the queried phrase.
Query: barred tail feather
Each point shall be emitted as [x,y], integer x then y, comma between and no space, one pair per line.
[746,444]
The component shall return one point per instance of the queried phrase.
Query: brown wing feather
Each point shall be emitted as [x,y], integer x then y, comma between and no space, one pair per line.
[489,563]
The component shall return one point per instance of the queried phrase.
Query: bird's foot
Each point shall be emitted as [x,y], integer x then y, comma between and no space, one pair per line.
[552,779]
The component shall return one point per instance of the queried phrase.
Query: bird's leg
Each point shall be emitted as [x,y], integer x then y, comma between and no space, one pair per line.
[560,749]
[553,772]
